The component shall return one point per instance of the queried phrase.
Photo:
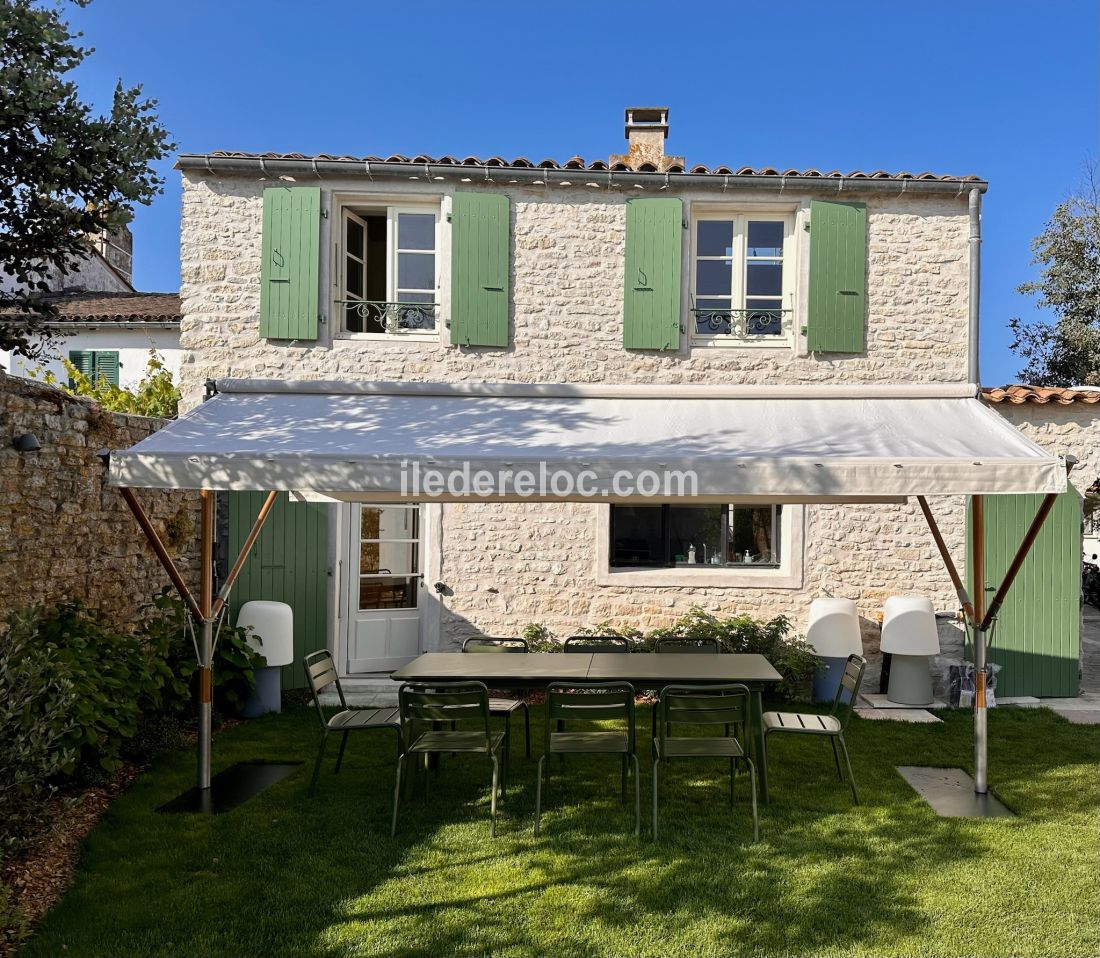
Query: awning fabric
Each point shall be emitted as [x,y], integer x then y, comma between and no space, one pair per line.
[794,443]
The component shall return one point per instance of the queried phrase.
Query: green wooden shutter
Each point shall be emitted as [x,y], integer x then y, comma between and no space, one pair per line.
[1037,640]
[479,269]
[654,236]
[83,360]
[105,366]
[838,277]
[289,283]
[288,563]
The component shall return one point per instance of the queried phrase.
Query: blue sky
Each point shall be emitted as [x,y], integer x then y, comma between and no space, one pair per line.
[1007,90]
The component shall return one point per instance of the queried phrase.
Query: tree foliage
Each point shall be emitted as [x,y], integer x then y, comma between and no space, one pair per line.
[1065,350]
[65,172]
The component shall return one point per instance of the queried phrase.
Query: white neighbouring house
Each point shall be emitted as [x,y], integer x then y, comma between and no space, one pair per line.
[106,327]
[638,270]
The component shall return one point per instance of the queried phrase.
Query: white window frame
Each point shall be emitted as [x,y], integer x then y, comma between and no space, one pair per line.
[740,218]
[369,206]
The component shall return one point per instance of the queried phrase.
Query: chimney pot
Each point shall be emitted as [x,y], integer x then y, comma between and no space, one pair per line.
[646,132]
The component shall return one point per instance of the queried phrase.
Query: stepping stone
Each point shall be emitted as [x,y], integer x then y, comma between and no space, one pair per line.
[898,715]
[1079,716]
[878,700]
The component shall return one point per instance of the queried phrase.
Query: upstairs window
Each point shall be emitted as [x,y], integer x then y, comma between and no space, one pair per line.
[688,537]
[742,279]
[389,267]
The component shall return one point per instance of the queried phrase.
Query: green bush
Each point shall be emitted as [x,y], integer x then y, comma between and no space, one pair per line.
[633,636]
[540,638]
[36,726]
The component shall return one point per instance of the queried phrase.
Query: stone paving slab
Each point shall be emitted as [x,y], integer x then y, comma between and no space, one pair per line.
[898,715]
[1080,716]
[878,700]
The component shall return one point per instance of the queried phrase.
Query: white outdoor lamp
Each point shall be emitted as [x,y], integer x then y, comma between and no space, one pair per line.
[833,633]
[910,635]
[272,635]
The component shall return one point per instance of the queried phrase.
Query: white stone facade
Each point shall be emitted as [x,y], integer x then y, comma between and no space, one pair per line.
[512,564]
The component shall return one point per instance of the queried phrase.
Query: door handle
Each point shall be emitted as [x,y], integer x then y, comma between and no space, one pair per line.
[494,289]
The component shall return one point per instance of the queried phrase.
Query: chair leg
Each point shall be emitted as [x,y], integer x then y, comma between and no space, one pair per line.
[427,774]
[637,797]
[622,798]
[317,763]
[526,731]
[396,794]
[493,798]
[851,777]
[340,754]
[656,762]
[752,783]
[764,759]
[538,794]
[733,774]
[836,758]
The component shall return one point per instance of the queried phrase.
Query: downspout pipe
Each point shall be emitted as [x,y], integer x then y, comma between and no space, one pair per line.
[975,286]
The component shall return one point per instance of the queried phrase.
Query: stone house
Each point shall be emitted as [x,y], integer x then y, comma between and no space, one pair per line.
[638,270]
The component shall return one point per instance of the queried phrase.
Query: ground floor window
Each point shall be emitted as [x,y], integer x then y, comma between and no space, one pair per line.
[669,536]
[389,557]
[96,364]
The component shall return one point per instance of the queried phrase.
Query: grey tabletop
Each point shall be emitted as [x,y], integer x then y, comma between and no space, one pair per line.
[643,669]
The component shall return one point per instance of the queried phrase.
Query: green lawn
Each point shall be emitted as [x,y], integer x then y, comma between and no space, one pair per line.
[287,875]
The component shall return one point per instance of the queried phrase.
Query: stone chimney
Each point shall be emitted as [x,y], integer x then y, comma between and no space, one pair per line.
[117,247]
[646,132]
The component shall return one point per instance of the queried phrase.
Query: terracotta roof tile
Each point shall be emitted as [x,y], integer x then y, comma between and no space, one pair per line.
[86,307]
[1020,394]
[578,163]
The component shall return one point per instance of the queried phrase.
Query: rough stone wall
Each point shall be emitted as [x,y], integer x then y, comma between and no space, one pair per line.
[512,564]
[64,534]
[1062,430]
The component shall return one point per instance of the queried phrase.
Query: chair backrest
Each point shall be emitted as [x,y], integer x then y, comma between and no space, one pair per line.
[850,682]
[589,702]
[320,674]
[597,643]
[674,644]
[428,702]
[726,704]
[481,643]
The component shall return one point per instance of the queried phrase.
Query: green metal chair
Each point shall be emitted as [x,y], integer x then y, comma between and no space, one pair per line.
[499,707]
[832,725]
[425,706]
[676,644]
[320,674]
[596,643]
[594,702]
[703,705]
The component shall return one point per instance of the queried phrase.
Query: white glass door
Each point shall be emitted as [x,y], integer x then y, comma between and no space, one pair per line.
[385,587]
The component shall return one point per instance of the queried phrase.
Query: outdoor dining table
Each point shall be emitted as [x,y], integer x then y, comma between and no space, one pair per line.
[643,670]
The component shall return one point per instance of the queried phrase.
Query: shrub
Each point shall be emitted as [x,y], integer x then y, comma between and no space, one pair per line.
[36,726]
[632,635]
[540,638]
[166,636]
[771,638]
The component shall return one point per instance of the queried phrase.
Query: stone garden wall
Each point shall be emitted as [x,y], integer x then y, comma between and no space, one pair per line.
[65,534]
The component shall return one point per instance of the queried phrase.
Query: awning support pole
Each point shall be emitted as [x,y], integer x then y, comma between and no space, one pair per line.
[257,527]
[161,552]
[206,635]
[956,579]
[981,730]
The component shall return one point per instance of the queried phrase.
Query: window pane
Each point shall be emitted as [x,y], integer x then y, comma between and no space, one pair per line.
[636,536]
[389,522]
[764,279]
[403,296]
[386,557]
[354,321]
[355,237]
[763,317]
[416,270]
[353,278]
[416,231]
[712,317]
[713,277]
[714,238]
[695,531]
[392,592]
[752,537]
[765,239]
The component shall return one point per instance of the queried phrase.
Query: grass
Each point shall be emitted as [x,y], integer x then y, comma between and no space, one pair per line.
[288,875]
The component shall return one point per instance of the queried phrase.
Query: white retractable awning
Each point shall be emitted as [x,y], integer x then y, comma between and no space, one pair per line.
[375,441]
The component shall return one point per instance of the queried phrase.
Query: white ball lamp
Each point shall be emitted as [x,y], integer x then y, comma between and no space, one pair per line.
[272,635]
[833,633]
[910,635]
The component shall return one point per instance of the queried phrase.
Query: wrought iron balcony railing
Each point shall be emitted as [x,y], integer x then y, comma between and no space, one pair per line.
[743,323]
[375,316]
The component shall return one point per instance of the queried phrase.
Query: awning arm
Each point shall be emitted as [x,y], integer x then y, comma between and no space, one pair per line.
[956,580]
[257,526]
[161,552]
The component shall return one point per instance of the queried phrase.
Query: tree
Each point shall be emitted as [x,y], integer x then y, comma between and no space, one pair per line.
[65,173]
[1065,351]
